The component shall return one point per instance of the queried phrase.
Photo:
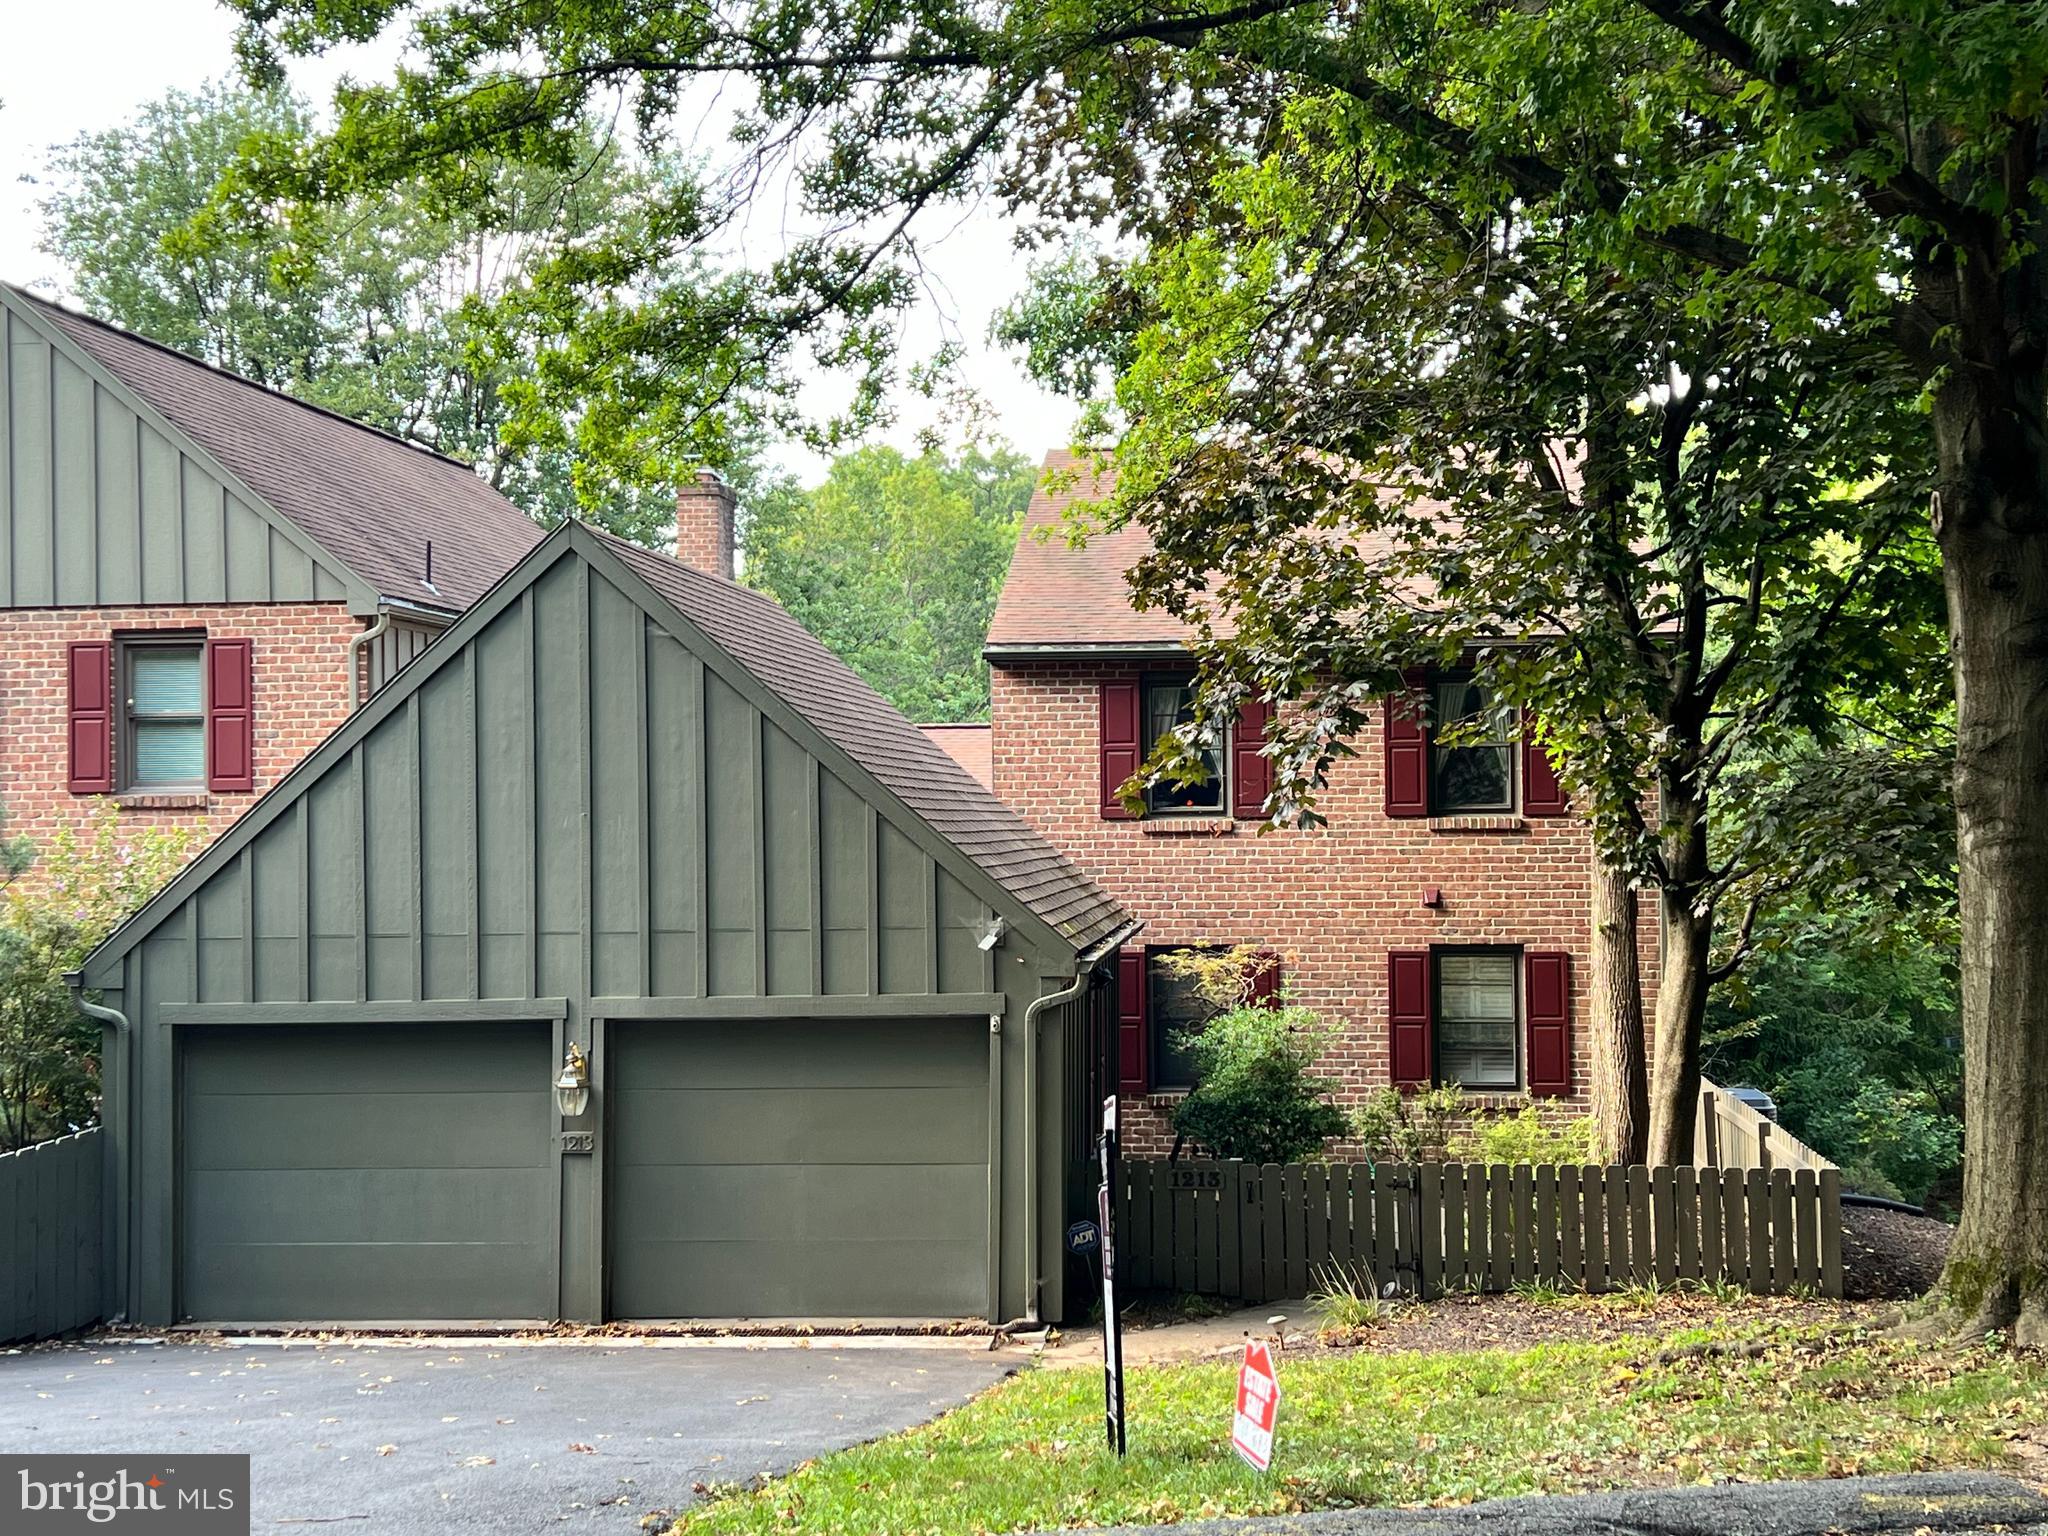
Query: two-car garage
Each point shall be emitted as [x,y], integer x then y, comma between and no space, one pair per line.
[400,1173]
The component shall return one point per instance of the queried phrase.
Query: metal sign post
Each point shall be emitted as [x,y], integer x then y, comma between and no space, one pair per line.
[1112,1324]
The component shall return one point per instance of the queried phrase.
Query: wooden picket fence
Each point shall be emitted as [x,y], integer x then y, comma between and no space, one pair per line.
[50,1216]
[1262,1232]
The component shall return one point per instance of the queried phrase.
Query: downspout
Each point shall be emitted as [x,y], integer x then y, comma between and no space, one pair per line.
[1084,969]
[1034,1282]
[358,685]
[118,1021]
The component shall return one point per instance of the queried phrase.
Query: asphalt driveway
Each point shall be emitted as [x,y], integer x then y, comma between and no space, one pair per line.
[486,1437]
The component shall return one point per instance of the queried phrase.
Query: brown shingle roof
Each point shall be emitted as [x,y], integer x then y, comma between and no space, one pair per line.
[759,633]
[1056,595]
[968,745]
[370,500]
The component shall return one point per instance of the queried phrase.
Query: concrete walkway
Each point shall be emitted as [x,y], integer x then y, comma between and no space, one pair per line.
[1205,1338]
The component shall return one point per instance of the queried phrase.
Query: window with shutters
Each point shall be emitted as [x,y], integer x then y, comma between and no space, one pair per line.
[1177,1011]
[1475,769]
[1478,1019]
[1168,702]
[163,729]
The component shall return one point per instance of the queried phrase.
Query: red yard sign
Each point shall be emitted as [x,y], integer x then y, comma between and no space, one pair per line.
[1258,1405]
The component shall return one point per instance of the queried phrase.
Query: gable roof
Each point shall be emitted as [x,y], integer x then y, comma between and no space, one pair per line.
[981,837]
[369,500]
[1057,597]
[759,633]
[1062,599]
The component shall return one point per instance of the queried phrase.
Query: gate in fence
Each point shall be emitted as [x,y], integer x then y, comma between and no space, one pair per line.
[1263,1231]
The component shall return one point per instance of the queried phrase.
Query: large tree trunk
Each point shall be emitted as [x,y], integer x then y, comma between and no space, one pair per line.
[1620,1090]
[1686,936]
[1992,521]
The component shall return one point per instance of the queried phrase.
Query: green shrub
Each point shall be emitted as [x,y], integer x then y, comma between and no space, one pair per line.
[1257,1096]
[1524,1137]
[81,886]
[1397,1127]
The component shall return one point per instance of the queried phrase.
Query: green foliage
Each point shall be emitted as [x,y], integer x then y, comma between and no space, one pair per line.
[1072,321]
[895,563]
[1400,1127]
[384,308]
[1223,978]
[1525,1136]
[1850,1022]
[1256,1093]
[85,884]
[1345,1300]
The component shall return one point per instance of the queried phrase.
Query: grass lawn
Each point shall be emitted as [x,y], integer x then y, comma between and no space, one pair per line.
[1372,1428]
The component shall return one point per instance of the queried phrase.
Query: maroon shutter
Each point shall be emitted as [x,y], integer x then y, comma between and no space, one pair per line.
[1542,795]
[1121,734]
[1251,772]
[1409,1012]
[1547,1005]
[1265,982]
[1407,762]
[1133,1065]
[230,716]
[89,698]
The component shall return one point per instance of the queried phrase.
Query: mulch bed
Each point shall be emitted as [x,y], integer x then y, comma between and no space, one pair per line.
[1455,1324]
[1890,1256]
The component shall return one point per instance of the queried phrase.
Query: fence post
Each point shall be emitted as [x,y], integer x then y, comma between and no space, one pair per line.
[1831,1232]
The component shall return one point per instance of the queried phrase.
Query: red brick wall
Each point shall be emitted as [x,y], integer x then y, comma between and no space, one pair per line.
[1333,901]
[302,691]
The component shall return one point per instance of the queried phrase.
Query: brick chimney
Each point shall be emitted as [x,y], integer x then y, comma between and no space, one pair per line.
[704,536]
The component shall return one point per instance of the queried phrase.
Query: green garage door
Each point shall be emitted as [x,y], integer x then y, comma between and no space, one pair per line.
[367,1172]
[799,1168]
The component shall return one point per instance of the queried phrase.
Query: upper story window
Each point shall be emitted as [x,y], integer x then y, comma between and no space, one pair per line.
[162,687]
[1478,1019]
[1475,772]
[1168,703]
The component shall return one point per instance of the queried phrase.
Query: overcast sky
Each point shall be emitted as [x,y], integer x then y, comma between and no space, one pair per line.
[88,64]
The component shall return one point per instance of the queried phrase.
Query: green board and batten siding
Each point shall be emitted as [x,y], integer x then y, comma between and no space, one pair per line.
[108,505]
[578,818]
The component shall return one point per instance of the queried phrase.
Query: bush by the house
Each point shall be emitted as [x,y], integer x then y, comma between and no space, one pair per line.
[1523,1137]
[57,903]
[1439,1125]
[1397,1127]
[1257,1094]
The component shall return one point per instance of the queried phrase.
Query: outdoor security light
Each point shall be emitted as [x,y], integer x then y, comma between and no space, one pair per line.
[991,936]
[572,1088]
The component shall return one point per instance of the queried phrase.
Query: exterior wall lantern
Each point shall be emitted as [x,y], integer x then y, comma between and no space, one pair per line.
[572,1088]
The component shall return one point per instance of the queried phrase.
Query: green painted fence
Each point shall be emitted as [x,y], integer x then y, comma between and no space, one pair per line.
[1261,1232]
[50,1219]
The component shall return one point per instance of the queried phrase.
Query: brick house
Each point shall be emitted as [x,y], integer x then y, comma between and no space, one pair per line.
[199,577]
[1441,917]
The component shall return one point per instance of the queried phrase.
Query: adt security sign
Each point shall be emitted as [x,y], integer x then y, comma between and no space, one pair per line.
[1258,1405]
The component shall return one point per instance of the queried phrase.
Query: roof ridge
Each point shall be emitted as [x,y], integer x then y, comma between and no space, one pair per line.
[243,379]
